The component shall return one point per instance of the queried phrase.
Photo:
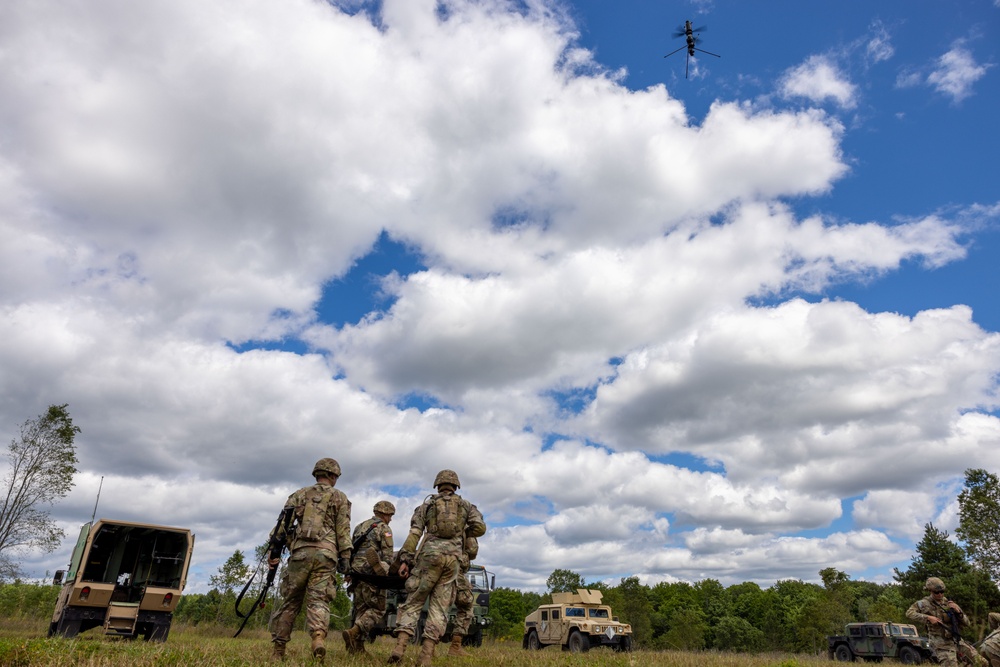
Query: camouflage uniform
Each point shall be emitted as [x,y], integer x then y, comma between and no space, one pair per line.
[437,565]
[369,600]
[310,573]
[464,599]
[939,634]
[990,648]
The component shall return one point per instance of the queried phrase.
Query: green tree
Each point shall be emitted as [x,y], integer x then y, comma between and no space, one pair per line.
[687,630]
[979,520]
[232,574]
[937,556]
[635,609]
[507,611]
[736,634]
[42,462]
[564,581]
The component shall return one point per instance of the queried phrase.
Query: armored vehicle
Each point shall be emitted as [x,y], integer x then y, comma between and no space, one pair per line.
[874,641]
[125,577]
[483,582]
[577,622]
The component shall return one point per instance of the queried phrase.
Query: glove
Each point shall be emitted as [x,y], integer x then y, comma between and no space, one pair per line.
[344,565]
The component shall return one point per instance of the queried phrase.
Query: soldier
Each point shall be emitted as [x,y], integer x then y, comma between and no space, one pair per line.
[319,542]
[464,600]
[937,612]
[990,647]
[372,556]
[447,519]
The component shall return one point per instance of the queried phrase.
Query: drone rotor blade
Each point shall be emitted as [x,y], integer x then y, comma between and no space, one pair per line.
[701,29]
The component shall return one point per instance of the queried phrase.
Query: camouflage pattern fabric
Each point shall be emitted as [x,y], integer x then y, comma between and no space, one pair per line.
[310,577]
[990,648]
[464,599]
[437,567]
[369,606]
[969,656]
[432,578]
[464,602]
[310,574]
[336,531]
[938,634]
[369,601]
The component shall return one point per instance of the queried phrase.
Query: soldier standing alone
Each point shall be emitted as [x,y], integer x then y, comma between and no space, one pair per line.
[447,519]
[317,527]
[372,556]
[936,612]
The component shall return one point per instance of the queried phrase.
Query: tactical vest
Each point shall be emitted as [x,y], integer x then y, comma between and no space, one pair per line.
[312,525]
[446,516]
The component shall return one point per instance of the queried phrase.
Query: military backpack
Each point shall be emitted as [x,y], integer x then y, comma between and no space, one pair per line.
[446,516]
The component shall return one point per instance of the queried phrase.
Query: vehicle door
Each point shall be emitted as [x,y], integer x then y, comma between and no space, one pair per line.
[858,640]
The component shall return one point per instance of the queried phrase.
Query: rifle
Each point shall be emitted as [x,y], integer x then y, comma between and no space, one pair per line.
[955,624]
[277,543]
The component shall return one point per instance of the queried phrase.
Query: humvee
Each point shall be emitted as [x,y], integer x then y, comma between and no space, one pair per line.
[125,577]
[577,622]
[875,641]
[483,582]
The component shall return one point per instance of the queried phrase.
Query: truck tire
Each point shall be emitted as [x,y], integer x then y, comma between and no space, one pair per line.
[909,656]
[578,643]
[843,653]
[533,643]
[624,645]
[474,638]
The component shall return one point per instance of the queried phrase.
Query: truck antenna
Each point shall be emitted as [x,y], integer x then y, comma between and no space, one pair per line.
[99,487]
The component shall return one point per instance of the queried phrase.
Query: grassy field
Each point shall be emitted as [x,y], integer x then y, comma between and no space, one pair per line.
[25,645]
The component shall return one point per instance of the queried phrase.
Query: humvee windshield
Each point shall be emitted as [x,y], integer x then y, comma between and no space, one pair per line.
[902,631]
[598,613]
[575,611]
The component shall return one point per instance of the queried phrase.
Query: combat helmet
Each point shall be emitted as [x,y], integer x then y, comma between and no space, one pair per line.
[934,585]
[447,477]
[384,507]
[994,620]
[328,466]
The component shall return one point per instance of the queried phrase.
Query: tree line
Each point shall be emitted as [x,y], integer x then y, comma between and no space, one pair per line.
[790,615]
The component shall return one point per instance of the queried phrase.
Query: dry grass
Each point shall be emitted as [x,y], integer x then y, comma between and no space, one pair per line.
[27,646]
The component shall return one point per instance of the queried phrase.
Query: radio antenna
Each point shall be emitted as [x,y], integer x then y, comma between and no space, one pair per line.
[100,486]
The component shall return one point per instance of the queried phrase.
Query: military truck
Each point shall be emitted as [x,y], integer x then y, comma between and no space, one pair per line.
[874,641]
[577,622]
[482,581]
[124,577]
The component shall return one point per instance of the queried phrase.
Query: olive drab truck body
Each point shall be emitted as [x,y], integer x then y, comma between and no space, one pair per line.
[874,641]
[577,622]
[124,577]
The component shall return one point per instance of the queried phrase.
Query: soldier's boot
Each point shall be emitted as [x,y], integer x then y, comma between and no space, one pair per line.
[278,652]
[319,645]
[456,646]
[402,640]
[353,640]
[426,652]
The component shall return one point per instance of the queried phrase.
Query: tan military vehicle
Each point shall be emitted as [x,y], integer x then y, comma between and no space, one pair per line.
[125,577]
[577,622]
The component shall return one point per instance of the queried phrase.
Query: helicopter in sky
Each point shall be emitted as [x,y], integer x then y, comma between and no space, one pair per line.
[693,38]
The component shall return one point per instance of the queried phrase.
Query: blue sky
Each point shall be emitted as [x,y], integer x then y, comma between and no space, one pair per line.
[739,325]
